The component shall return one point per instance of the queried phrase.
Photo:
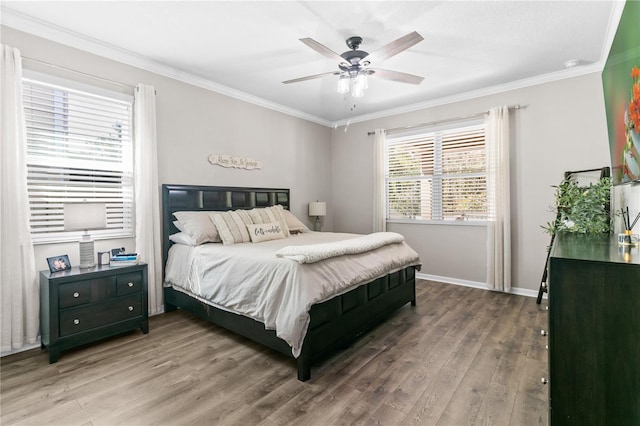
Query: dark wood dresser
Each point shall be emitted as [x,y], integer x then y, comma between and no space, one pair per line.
[81,306]
[594,331]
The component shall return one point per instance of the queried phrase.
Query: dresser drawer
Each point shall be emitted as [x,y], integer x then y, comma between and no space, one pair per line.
[129,283]
[76,320]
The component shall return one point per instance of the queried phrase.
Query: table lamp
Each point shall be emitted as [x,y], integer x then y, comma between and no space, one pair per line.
[317,209]
[83,217]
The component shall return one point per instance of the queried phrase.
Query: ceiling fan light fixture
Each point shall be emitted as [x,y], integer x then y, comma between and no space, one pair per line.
[358,90]
[354,64]
[343,84]
[362,80]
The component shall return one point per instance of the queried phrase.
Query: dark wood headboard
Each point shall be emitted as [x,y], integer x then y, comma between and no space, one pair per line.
[177,198]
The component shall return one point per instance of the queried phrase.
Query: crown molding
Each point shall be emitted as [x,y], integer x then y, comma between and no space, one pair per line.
[28,24]
[491,90]
[612,28]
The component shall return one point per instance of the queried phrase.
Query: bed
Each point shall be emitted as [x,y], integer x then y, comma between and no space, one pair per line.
[332,323]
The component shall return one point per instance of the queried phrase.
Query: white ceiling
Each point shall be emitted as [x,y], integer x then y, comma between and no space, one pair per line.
[246,49]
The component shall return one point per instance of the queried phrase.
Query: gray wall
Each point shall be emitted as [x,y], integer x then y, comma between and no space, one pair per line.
[193,123]
[562,127]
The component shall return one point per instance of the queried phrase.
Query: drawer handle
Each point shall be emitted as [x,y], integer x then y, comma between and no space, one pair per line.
[76,294]
[130,308]
[130,284]
[76,321]
[543,332]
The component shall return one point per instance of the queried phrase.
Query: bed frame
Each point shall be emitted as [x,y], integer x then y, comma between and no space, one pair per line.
[334,323]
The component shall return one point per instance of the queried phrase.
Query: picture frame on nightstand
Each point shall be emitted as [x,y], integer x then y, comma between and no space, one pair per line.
[58,263]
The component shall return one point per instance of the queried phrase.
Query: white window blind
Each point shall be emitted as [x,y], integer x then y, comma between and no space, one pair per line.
[79,149]
[439,175]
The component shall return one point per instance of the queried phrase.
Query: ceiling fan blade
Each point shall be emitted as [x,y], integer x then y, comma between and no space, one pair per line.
[401,77]
[323,50]
[311,77]
[393,48]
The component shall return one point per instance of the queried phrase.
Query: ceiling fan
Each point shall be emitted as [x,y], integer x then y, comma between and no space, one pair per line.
[354,65]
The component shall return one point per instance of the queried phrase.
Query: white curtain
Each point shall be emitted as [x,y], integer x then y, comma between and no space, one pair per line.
[148,228]
[20,302]
[379,198]
[498,195]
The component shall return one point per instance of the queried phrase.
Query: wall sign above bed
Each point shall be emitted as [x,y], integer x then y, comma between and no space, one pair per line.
[235,162]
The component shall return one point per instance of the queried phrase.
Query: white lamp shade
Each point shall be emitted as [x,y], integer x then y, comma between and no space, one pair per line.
[84,216]
[317,208]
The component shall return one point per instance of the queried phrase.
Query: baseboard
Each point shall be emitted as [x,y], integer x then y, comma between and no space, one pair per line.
[22,349]
[37,344]
[475,284]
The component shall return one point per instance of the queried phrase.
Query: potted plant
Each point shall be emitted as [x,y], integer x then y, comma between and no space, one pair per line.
[582,209]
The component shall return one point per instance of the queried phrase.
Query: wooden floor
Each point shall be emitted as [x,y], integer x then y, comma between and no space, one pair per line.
[462,356]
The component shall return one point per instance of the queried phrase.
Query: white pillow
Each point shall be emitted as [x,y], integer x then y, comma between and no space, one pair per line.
[269,215]
[182,238]
[232,226]
[265,232]
[293,223]
[198,225]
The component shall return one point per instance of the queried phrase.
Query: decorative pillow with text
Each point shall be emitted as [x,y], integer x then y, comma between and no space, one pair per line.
[269,215]
[265,232]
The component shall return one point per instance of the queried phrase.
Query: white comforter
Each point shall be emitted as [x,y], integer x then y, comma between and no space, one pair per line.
[316,252]
[250,280]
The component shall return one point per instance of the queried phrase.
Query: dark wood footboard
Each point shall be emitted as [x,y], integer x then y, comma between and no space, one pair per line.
[334,323]
[339,321]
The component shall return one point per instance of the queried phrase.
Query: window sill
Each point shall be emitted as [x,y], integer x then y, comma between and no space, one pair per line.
[481,223]
[76,239]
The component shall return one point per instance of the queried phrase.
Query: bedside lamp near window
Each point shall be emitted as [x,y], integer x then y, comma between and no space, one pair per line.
[83,217]
[317,209]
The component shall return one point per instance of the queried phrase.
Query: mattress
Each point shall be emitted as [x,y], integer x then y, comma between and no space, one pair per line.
[250,280]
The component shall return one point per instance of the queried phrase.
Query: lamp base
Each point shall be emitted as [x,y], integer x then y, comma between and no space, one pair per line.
[316,224]
[87,258]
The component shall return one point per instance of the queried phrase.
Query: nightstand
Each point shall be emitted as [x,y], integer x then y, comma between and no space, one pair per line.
[79,306]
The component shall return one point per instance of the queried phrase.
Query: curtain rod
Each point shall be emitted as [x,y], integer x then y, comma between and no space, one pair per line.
[445,120]
[78,72]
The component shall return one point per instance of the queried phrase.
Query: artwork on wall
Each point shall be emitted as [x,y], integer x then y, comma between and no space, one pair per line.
[235,162]
[621,86]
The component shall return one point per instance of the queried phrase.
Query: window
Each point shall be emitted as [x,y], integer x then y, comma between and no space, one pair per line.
[78,149]
[438,176]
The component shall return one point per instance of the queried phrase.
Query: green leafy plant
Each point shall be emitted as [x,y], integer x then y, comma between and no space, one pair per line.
[581,209]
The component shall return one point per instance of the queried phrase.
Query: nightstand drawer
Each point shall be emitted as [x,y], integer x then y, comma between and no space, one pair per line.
[73,294]
[77,293]
[81,319]
[129,283]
